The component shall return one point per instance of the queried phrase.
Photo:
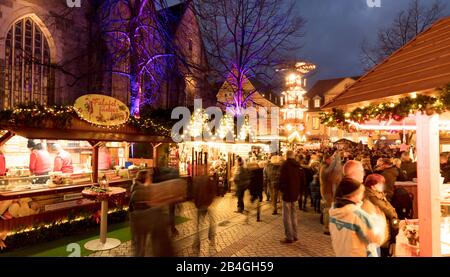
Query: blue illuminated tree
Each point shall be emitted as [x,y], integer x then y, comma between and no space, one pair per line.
[139,46]
[246,38]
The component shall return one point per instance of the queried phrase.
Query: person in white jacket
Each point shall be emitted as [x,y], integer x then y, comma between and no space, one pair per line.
[354,232]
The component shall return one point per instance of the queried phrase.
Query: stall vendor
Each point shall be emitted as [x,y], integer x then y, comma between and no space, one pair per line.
[2,164]
[63,160]
[104,159]
[40,161]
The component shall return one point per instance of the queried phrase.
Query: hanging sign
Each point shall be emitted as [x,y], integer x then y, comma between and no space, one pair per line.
[101,110]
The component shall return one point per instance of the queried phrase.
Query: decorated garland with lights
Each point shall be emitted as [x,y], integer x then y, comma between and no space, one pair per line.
[72,225]
[33,115]
[389,110]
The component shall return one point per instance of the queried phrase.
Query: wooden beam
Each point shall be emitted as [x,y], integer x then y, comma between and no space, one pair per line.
[95,162]
[428,185]
[155,153]
[7,136]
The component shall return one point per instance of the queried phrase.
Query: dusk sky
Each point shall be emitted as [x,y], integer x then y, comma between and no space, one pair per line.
[335,30]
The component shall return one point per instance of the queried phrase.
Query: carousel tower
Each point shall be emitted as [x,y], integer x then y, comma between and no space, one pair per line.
[292,103]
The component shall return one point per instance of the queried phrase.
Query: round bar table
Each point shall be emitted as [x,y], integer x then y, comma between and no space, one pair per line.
[103,243]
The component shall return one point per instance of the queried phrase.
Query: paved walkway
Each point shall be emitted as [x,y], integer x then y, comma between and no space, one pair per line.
[239,235]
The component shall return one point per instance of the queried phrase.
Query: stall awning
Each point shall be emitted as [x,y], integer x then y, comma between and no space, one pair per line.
[422,65]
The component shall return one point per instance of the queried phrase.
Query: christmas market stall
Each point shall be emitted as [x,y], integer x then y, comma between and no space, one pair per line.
[209,151]
[49,155]
[412,84]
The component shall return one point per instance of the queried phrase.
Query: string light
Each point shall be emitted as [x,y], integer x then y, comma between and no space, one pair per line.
[404,107]
[63,115]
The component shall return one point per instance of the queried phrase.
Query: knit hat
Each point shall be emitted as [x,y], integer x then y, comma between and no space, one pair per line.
[347,186]
[374,179]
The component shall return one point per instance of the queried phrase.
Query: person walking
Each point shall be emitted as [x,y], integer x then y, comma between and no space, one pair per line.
[272,179]
[375,202]
[314,187]
[330,175]
[146,221]
[354,232]
[390,174]
[292,179]
[256,186]
[241,179]
[204,192]
[305,191]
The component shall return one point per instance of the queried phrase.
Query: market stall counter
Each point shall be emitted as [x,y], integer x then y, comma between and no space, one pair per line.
[89,141]
[23,202]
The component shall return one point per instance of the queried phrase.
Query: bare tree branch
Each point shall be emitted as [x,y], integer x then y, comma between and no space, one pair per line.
[406,26]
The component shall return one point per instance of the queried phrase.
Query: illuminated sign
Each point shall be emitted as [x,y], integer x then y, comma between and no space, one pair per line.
[101,110]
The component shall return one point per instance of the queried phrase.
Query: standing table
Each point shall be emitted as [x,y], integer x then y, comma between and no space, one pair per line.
[103,243]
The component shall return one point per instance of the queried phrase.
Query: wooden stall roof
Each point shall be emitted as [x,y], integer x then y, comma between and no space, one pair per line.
[421,65]
[81,130]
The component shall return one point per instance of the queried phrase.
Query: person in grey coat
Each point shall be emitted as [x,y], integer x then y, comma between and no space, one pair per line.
[147,221]
[272,180]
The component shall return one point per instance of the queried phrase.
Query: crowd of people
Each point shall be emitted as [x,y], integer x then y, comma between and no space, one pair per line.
[353,190]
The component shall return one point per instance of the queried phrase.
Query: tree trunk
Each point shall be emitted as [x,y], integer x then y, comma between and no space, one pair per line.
[135,80]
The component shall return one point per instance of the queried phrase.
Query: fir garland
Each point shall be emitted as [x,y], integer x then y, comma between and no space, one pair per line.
[388,110]
[33,115]
[57,230]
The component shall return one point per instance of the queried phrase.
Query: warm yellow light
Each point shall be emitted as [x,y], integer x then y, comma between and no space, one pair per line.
[413,95]
[292,77]
[347,115]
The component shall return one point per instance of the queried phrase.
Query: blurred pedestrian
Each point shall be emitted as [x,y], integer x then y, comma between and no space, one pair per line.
[148,224]
[292,178]
[315,187]
[390,174]
[241,178]
[256,186]
[204,192]
[354,232]
[330,175]
[272,179]
[375,202]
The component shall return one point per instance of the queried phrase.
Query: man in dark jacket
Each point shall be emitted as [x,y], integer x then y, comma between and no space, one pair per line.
[304,191]
[292,179]
[256,187]
[445,167]
[204,192]
[409,166]
[390,174]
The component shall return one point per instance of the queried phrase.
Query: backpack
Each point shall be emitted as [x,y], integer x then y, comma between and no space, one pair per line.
[402,201]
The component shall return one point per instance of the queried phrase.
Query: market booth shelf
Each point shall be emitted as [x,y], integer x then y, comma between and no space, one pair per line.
[64,199]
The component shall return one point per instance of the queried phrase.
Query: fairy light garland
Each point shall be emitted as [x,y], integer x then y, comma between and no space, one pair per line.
[34,115]
[389,110]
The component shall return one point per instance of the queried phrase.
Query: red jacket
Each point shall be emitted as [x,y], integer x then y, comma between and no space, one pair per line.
[104,160]
[40,162]
[2,165]
[63,162]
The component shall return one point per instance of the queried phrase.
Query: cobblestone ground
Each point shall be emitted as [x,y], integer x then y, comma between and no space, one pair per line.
[239,235]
